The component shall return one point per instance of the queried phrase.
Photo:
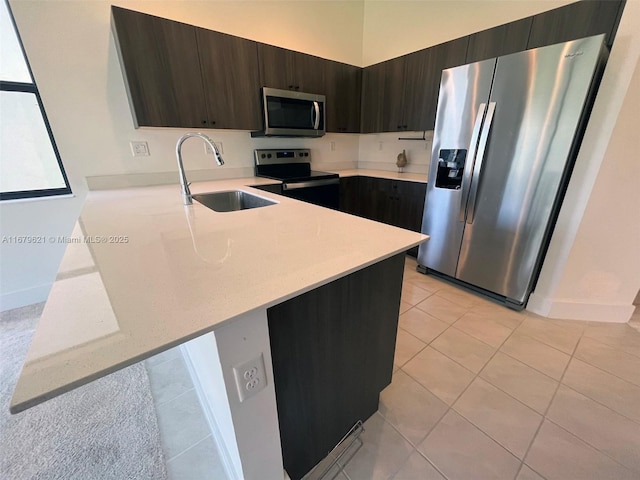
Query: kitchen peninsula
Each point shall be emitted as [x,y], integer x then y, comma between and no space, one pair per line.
[263,280]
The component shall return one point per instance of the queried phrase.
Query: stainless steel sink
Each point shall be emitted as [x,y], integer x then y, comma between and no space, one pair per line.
[231,201]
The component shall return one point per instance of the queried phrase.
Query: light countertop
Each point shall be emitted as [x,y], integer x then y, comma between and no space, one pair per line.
[156,274]
[408,177]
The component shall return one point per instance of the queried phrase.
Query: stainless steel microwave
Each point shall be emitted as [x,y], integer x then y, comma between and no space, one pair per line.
[292,114]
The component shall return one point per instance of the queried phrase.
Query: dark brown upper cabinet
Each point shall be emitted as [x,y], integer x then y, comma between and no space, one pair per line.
[373,81]
[290,70]
[497,41]
[160,63]
[576,20]
[231,79]
[343,87]
[423,73]
[402,93]
[394,100]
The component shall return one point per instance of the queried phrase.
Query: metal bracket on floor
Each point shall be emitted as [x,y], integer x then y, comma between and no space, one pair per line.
[343,450]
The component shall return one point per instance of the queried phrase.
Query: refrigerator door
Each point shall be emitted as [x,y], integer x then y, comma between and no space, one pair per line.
[464,93]
[539,98]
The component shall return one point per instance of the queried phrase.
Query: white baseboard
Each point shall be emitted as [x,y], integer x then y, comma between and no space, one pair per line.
[22,298]
[573,310]
[225,455]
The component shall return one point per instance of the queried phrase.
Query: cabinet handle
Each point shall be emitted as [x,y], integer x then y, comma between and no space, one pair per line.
[291,86]
[204,122]
[213,123]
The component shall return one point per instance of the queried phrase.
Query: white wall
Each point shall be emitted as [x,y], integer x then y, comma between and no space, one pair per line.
[72,54]
[592,269]
[394,28]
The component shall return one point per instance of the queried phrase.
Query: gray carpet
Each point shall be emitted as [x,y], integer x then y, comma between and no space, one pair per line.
[104,430]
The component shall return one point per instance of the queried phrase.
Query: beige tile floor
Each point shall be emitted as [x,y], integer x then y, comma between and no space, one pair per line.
[482,392]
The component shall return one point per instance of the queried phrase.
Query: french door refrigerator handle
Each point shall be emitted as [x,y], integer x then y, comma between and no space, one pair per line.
[477,167]
[470,157]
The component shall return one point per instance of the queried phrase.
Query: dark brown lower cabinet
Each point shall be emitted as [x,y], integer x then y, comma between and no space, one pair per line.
[395,202]
[332,351]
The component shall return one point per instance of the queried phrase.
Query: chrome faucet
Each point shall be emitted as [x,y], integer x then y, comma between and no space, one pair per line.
[186,193]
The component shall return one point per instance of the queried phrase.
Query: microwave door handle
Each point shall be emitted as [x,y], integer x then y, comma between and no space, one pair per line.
[315,113]
[477,168]
[468,168]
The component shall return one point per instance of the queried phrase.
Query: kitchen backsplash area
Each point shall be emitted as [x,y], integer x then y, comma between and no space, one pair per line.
[379,151]
[331,152]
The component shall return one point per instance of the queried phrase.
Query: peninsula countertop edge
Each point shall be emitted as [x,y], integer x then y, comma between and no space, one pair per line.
[146,273]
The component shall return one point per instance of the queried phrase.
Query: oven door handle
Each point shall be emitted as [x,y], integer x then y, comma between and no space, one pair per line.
[313,183]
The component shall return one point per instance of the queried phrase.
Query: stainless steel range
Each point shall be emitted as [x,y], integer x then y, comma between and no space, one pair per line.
[292,169]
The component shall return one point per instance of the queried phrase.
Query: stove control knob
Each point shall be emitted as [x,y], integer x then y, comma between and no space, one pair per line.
[262,156]
[268,155]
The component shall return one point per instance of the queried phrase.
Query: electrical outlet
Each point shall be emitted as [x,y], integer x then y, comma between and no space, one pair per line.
[250,377]
[208,151]
[380,146]
[332,146]
[139,149]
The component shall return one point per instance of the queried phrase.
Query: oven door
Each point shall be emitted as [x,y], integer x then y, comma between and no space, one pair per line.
[288,113]
[324,192]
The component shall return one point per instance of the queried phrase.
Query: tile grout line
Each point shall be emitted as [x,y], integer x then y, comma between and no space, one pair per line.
[544,415]
[606,371]
[546,411]
[450,407]
[189,448]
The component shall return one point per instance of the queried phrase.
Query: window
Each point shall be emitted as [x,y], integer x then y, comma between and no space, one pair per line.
[30,164]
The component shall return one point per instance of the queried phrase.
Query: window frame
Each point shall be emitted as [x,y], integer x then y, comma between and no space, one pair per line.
[23,87]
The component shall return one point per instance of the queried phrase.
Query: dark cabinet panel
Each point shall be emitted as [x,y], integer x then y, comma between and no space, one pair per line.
[159,60]
[394,95]
[349,195]
[501,40]
[276,67]
[231,78]
[309,74]
[289,70]
[395,202]
[343,91]
[332,351]
[373,81]
[424,70]
[402,94]
[576,20]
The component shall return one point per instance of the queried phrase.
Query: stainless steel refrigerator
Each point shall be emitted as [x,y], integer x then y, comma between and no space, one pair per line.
[506,135]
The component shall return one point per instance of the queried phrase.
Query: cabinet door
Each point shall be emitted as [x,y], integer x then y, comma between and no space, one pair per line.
[159,60]
[577,20]
[373,80]
[231,80]
[276,66]
[374,199]
[349,195]
[332,351]
[394,88]
[418,101]
[424,70]
[309,73]
[343,90]
[503,40]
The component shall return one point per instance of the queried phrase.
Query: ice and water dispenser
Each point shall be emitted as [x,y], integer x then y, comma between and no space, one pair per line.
[450,168]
